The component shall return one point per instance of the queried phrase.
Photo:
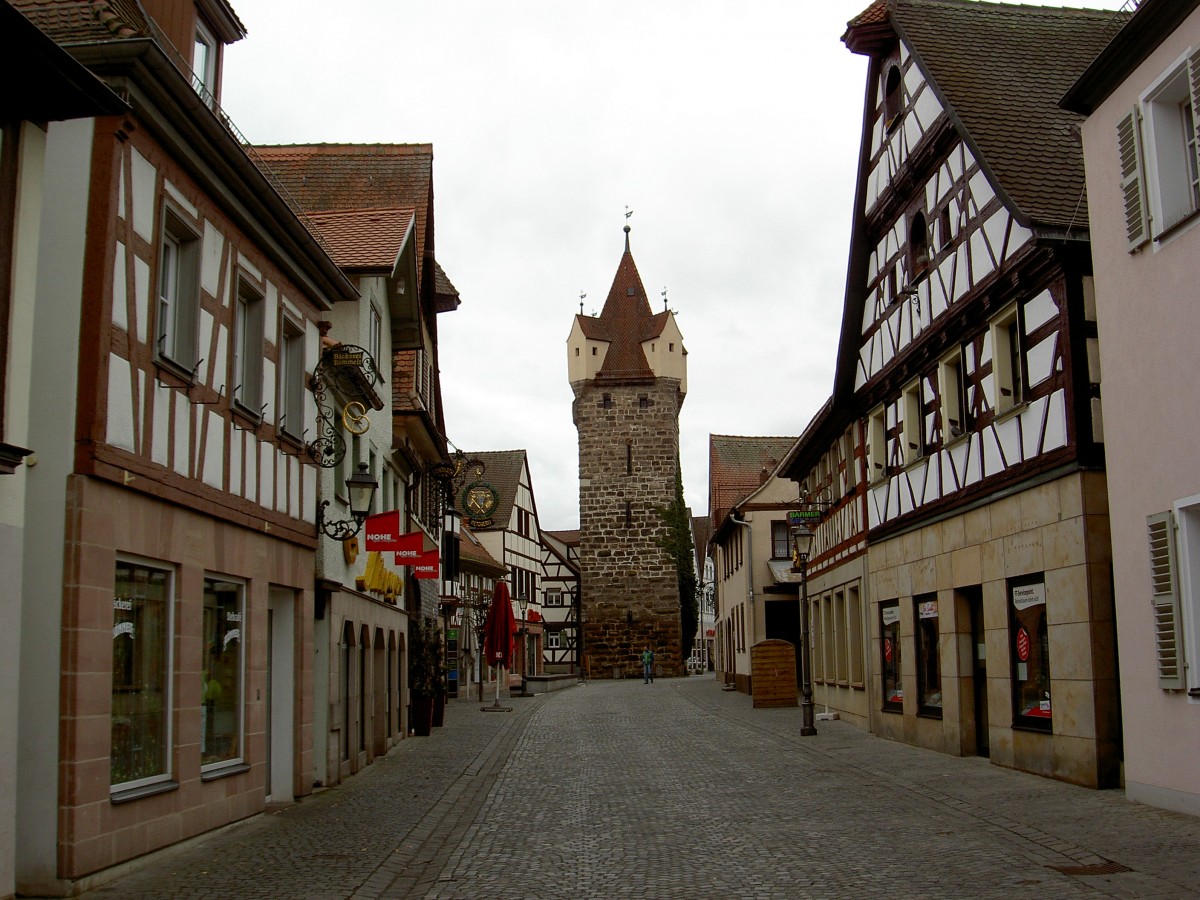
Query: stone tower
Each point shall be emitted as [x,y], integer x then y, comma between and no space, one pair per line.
[628,370]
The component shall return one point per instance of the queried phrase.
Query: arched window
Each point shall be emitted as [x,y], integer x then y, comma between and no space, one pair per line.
[893,99]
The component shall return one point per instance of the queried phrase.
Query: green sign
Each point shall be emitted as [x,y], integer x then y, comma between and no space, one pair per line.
[799,515]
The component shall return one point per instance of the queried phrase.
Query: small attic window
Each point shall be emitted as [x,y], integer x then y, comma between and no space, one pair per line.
[576,351]
[893,100]
[670,348]
[629,292]
[606,401]
[593,351]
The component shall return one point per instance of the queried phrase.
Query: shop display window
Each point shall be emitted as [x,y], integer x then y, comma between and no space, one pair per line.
[889,648]
[223,672]
[929,664]
[1030,650]
[141,666]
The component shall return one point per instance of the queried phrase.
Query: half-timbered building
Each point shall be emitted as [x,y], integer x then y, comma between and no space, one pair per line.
[372,206]
[1142,99]
[755,590]
[498,506]
[54,88]
[561,646]
[165,655]
[966,378]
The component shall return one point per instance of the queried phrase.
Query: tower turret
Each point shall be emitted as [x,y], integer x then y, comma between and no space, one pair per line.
[628,371]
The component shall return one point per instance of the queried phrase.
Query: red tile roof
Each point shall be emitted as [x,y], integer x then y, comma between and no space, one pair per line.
[330,177]
[364,239]
[738,466]
[85,21]
[624,323]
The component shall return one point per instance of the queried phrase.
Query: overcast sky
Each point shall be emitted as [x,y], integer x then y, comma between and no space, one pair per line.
[729,127]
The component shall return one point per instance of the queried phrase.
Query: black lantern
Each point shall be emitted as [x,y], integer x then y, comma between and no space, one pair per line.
[361,487]
[802,540]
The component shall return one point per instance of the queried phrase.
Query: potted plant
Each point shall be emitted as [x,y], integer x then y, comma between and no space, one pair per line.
[423,668]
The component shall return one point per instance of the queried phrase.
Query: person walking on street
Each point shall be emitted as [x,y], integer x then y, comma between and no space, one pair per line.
[648,666]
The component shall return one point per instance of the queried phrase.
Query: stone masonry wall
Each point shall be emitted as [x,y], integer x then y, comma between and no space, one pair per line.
[628,454]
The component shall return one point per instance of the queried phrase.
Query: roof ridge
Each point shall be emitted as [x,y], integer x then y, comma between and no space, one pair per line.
[404,149]
[1019,8]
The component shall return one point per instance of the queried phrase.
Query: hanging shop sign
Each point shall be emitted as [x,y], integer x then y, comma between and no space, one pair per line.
[383,533]
[479,501]
[351,372]
[424,566]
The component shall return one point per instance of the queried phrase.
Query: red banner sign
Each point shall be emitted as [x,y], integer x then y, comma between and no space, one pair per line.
[424,566]
[382,531]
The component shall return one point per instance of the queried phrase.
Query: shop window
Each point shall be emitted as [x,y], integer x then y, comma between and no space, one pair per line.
[141,666]
[889,649]
[224,667]
[178,292]
[817,630]
[841,645]
[1030,650]
[854,627]
[929,664]
[781,541]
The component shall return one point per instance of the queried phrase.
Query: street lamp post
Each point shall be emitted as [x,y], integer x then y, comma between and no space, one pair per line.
[523,602]
[802,538]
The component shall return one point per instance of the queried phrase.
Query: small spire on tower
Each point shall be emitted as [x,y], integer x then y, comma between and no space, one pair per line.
[664,296]
[582,295]
[628,213]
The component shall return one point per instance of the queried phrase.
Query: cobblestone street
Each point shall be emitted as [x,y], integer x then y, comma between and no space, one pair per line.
[679,789]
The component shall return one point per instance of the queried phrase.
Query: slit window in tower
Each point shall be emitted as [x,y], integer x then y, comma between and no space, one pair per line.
[629,457]
[628,513]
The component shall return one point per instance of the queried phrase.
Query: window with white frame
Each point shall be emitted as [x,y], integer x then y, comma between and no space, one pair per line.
[913,423]
[139,752]
[375,337]
[553,640]
[1008,361]
[248,348]
[223,633]
[1159,154]
[952,397]
[1174,556]
[553,597]
[178,322]
[205,54]
[291,379]
[781,540]
[876,444]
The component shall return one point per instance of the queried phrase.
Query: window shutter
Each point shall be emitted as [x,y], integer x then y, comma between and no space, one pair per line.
[1129,147]
[1194,90]
[1165,597]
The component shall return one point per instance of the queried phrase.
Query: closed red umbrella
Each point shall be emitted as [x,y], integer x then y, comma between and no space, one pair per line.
[499,628]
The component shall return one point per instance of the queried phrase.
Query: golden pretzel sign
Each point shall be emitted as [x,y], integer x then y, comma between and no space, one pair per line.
[354,417]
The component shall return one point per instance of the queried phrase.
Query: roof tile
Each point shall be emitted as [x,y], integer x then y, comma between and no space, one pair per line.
[738,466]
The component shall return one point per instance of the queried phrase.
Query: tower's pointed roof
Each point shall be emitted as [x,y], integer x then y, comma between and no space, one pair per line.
[625,322]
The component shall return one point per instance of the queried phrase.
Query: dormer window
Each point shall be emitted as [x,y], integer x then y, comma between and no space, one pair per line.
[893,99]
[205,52]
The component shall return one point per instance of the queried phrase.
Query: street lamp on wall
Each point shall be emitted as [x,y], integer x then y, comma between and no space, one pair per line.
[360,487]
[802,540]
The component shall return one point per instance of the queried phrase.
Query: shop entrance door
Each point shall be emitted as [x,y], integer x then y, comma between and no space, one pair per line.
[974,596]
[280,702]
